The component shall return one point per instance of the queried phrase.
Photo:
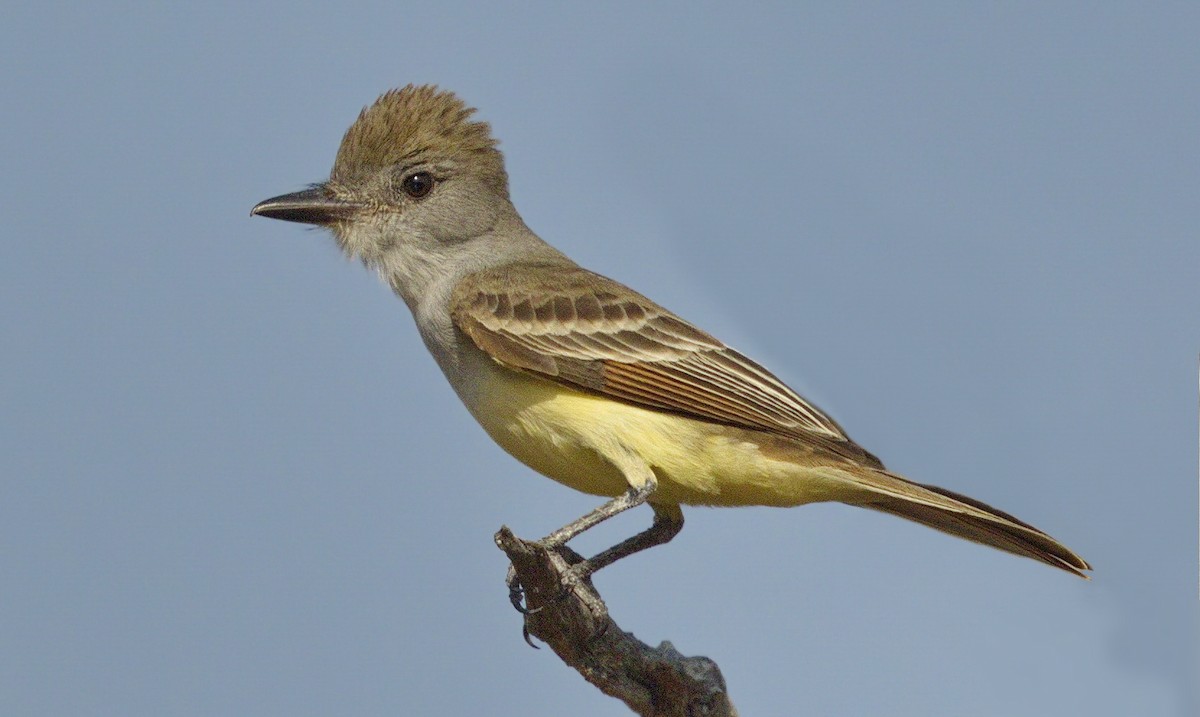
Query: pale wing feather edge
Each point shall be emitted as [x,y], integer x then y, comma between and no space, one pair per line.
[584,329]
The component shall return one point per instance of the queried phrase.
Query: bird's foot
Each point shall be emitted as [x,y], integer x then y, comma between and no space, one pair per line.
[579,571]
[516,594]
[542,577]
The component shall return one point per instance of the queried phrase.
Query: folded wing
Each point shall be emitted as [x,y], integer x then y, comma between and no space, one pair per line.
[594,334]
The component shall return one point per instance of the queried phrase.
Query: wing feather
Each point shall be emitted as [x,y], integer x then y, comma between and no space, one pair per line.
[591,333]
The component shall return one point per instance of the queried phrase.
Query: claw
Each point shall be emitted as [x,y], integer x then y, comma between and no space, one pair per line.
[516,596]
[528,638]
[516,593]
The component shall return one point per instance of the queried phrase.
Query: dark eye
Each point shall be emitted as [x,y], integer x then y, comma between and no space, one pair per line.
[417,185]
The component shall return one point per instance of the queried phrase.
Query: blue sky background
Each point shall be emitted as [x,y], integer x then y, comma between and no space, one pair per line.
[234,483]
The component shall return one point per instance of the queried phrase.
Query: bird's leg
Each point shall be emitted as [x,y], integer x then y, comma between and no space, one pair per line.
[635,496]
[668,521]
[631,498]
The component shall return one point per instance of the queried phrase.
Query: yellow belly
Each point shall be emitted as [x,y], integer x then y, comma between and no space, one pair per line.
[568,436]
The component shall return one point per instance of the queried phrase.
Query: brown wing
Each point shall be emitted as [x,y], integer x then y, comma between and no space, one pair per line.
[591,333]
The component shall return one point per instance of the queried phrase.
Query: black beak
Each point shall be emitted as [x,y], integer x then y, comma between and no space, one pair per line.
[312,206]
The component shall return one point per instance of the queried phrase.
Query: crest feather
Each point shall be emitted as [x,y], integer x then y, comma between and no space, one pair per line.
[407,123]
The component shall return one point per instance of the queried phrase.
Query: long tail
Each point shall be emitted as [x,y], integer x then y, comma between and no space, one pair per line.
[964,517]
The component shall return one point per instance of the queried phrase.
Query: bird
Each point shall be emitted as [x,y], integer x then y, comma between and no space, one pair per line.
[578,376]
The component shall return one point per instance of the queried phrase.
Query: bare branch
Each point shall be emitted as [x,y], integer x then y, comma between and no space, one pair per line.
[574,622]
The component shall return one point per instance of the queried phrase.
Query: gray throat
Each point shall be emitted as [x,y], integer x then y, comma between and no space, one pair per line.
[425,278]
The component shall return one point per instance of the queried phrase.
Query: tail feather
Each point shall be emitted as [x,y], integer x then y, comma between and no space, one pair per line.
[964,517]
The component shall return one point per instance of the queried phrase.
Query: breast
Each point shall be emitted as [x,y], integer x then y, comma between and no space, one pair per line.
[553,430]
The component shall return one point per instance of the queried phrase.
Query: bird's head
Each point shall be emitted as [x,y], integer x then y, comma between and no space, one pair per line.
[414,175]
